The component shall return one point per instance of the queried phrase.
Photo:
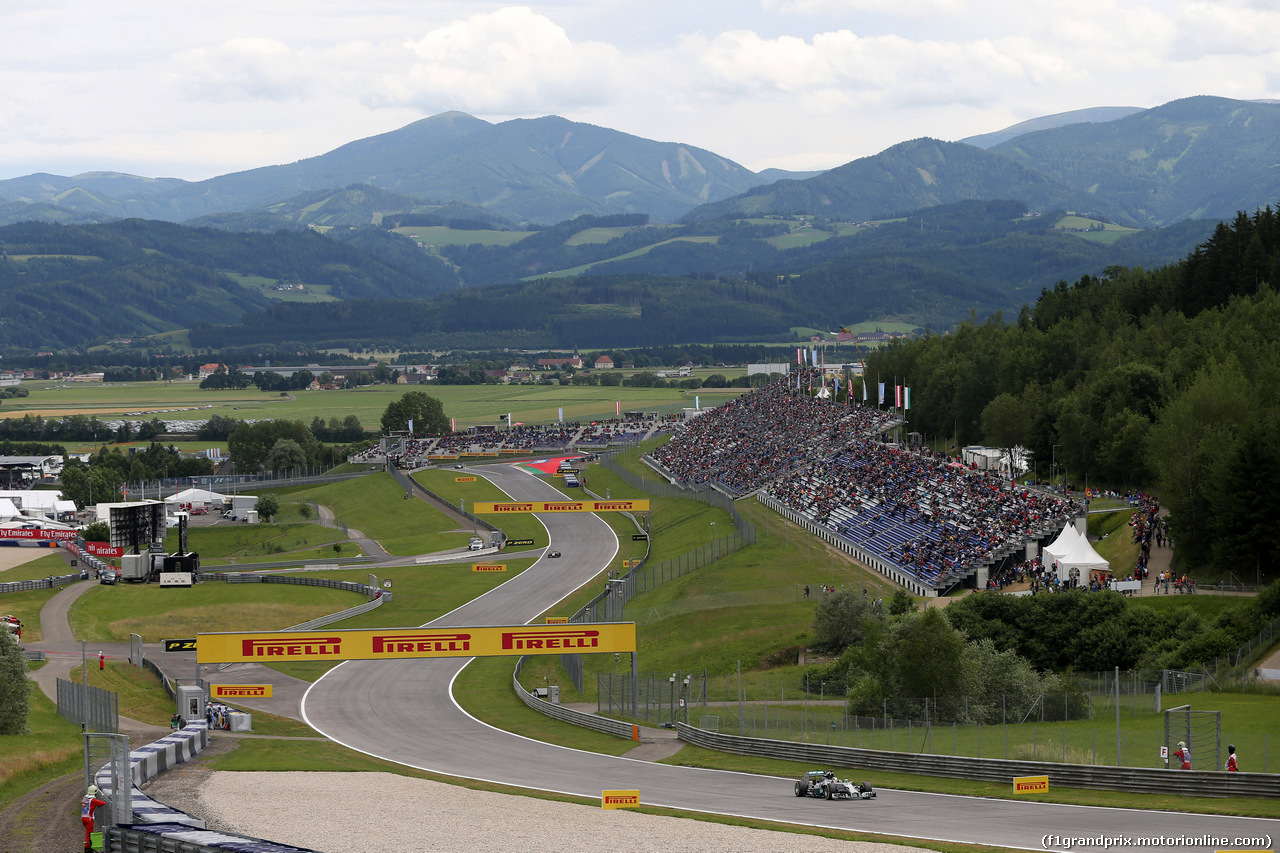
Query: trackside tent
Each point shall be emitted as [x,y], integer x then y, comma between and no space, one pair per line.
[1082,559]
[1054,551]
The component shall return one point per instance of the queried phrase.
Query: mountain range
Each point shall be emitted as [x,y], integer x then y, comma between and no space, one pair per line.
[574,232]
[1201,157]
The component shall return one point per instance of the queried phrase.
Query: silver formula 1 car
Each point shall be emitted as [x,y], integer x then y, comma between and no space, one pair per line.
[824,785]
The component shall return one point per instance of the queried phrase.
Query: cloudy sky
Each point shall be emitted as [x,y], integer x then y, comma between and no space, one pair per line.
[194,89]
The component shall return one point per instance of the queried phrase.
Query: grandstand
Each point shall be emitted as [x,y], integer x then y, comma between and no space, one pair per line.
[920,518]
[408,451]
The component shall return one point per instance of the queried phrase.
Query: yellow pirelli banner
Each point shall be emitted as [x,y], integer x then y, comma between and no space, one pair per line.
[464,479]
[488,567]
[1029,784]
[392,643]
[239,691]
[557,620]
[442,456]
[619,799]
[484,507]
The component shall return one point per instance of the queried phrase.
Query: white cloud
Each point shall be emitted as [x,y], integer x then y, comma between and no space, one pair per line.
[254,69]
[510,62]
[154,86]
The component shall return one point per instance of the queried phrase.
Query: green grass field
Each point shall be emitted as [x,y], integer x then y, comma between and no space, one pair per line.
[1079,225]
[375,506]
[469,404]
[111,613]
[439,235]
[53,748]
[579,270]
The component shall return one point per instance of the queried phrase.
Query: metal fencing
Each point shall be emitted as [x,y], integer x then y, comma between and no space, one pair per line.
[92,706]
[110,751]
[309,475]
[1081,726]
[610,604]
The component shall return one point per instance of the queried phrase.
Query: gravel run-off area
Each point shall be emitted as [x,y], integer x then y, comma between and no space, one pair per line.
[386,813]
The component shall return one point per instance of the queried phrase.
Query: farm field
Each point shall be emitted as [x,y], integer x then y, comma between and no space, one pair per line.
[470,405]
[440,235]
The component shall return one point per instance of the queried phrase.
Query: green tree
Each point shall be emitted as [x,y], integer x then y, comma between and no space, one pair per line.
[251,444]
[15,688]
[1006,423]
[426,412]
[901,603]
[98,531]
[839,620]
[268,506]
[285,454]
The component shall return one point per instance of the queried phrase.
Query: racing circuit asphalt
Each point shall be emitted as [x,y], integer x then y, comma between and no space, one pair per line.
[403,711]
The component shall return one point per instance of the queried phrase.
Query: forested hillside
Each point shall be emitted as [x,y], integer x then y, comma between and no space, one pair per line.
[64,286]
[1130,378]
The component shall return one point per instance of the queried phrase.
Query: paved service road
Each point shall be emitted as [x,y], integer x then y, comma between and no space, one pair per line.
[402,711]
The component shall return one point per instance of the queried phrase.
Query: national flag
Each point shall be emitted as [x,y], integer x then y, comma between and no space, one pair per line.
[906,398]
[881,403]
[799,363]
[897,396]
[864,389]
[453,424]
[617,408]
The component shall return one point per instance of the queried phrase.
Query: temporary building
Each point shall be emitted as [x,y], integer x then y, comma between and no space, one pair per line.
[1079,560]
[195,497]
[1054,551]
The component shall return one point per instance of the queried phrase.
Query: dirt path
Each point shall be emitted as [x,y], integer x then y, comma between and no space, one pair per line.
[46,819]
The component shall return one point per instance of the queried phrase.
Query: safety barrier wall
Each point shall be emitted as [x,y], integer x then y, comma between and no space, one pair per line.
[41,583]
[993,769]
[568,715]
[179,838]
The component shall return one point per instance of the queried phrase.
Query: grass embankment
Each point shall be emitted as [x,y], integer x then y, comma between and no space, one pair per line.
[27,605]
[53,748]
[112,613]
[375,505]
[260,543]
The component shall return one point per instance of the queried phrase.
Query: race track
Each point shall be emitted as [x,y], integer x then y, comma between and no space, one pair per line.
[403,711]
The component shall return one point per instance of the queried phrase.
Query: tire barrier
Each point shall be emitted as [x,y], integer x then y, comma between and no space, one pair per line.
[162,828]
[147,761]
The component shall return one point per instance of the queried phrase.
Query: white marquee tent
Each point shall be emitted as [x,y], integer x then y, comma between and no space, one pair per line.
[1077,555]
[1053,552]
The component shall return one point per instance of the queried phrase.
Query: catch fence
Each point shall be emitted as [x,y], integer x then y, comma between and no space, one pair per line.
[95,707]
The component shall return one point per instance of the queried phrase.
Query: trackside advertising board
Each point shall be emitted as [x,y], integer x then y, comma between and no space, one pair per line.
[1030,784]
[239,691]
[392,643]
[620,799]
[483,507]
[38,535]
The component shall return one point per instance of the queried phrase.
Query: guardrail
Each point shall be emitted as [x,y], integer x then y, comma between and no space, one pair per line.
[1213,784]
[568,715]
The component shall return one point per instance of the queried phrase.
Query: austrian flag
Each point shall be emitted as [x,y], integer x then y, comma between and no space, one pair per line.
[902,397]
